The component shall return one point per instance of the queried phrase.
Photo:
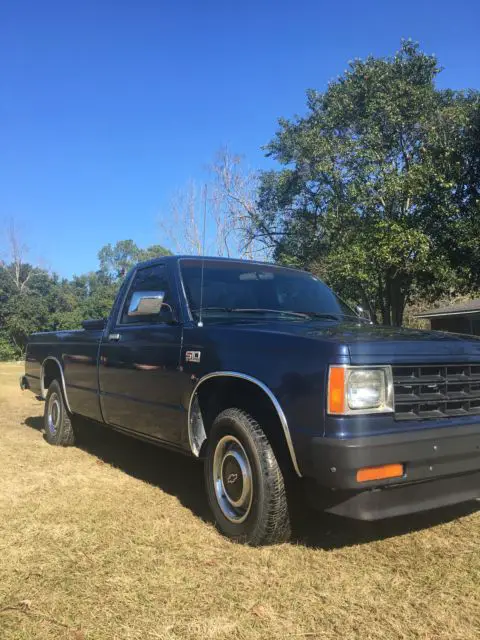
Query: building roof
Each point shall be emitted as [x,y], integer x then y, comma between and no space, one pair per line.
[459,309]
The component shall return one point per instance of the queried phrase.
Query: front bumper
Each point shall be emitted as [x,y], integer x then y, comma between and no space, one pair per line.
[442,467]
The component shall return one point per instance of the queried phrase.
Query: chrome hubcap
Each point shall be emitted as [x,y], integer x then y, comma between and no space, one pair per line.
[53,415]
[232,479]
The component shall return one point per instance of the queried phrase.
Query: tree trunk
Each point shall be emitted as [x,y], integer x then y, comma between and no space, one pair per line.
[397,313]
[381,301]
[398,301]
[387,304]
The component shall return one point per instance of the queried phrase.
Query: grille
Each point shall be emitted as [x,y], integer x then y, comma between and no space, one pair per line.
[426,392]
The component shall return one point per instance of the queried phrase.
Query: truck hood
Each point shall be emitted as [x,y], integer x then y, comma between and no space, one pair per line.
[369,343]
[372,343]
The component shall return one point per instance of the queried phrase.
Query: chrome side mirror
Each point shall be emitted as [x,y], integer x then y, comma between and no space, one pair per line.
[145,303]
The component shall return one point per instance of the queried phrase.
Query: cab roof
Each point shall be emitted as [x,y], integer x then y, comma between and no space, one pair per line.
[177,258]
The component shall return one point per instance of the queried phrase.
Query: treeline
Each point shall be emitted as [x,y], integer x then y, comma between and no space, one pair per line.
[32,299]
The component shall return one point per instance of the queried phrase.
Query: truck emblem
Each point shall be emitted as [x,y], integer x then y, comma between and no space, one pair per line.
[233,477]
[192,356]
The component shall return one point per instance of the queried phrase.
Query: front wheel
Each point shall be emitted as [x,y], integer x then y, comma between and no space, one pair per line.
[57,423]
[245,485]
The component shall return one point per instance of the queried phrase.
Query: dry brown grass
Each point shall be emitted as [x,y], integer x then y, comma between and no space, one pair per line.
[113,540]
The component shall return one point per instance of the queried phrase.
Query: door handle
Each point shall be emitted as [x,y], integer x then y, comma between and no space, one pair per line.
[114,337]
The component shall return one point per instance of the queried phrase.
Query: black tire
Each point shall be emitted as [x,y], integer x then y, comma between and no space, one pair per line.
[56,421]
[238,448]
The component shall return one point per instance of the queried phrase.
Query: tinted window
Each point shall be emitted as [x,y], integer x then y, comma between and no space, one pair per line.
[149,279]
[236,285]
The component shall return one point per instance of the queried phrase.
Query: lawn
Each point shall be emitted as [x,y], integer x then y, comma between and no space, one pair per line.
[113,539]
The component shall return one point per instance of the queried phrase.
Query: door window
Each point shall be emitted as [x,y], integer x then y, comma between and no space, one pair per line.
[148,279]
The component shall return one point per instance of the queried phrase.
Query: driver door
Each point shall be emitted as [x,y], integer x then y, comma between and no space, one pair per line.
[139,377]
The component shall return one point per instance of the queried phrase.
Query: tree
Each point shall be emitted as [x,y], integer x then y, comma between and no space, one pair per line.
[116,260]
[32,299]
[15,271]
[367,196]
[183,223]
[24,289]
[455,150]
[234,197]
[229,197]
[19,272]
[23,309]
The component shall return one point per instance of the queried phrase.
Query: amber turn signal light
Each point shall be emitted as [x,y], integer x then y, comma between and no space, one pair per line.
[380,473]
[336,390]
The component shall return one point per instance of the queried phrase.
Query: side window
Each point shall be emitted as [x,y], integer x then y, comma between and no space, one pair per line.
[149,279]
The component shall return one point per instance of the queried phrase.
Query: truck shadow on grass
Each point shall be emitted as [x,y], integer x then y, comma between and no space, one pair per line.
[182,477]
[328,532]
[171,472]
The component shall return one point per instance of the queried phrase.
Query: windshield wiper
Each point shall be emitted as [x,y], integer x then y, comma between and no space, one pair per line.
[298,314]
[315,314]
[226,309]
[306,315]
[334,316]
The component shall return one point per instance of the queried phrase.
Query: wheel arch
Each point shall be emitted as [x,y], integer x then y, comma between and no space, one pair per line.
[52,370]
[197,434]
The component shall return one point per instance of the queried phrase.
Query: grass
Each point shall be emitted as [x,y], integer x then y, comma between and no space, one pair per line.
[113,539]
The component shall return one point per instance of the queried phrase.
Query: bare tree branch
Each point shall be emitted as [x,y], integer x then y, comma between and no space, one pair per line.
[182,224]
[17,251]
[231,214]
[235,190]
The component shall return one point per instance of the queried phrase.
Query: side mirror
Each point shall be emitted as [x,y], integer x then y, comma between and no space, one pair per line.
[150,303]
[145,303]
[363,313]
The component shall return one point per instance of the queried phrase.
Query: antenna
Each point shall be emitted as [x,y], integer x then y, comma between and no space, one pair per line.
[200,323]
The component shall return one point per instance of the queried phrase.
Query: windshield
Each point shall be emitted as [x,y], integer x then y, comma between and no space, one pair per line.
[240,287]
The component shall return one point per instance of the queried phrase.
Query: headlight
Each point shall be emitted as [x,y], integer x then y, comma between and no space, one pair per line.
[357,390]
[366,389]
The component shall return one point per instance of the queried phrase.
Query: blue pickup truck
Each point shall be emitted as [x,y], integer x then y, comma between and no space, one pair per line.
[266,375]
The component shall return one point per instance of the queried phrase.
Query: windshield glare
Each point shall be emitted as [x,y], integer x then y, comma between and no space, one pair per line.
[239,285]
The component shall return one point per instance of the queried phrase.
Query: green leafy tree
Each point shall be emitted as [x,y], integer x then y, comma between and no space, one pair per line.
[24,306]
[455,153]
[116,260]
[367,195]
[31,299]
[26,314]
[7,348]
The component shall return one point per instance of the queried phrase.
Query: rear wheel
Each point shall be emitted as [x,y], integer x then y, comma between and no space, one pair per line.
[245,484]
[57,422]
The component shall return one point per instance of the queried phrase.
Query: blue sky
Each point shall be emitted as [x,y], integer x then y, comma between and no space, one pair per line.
[107,107]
